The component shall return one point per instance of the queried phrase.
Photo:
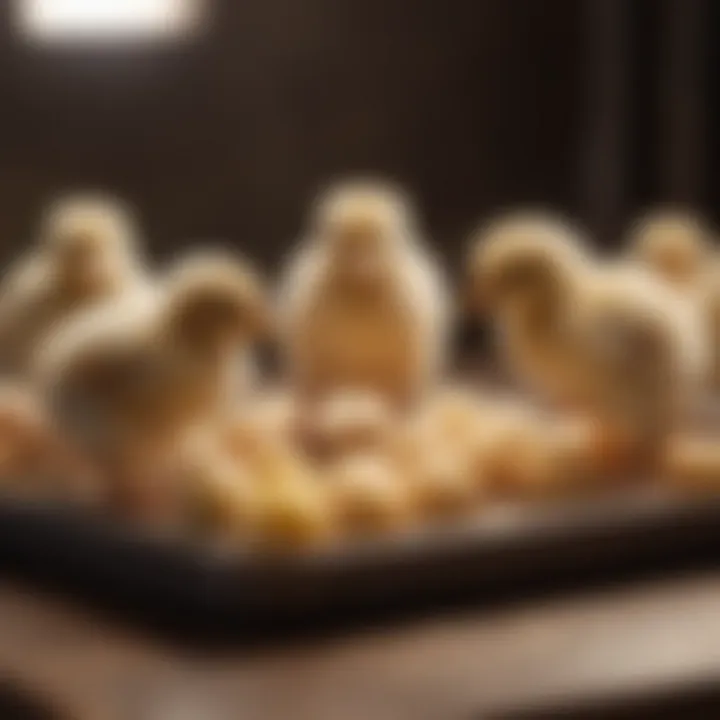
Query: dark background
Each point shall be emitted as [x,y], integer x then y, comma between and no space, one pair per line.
[599,107]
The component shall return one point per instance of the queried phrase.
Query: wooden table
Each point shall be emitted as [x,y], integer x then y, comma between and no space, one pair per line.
[461,665]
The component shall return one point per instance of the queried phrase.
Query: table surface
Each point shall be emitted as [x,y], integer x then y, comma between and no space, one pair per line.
[457,665]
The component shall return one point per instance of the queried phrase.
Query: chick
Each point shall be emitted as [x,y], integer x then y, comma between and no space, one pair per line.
[524,272]
[363,304]
[130,388]
[610,341]
[647,355]
[675,246]
[86,254]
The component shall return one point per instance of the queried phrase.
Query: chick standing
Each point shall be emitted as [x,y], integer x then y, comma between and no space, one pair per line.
[131,388]
[86,255]
[524,272]
[626,349]
[363,305]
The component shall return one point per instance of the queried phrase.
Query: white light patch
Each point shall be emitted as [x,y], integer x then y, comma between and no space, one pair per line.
[107,20]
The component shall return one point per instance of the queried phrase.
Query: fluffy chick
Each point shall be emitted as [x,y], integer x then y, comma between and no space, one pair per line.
[86,254]
[524,271]
[612,341]
[673,245]
[647,350]
[363,304]
[130,388]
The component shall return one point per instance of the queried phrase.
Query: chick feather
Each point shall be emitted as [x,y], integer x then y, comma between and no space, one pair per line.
[363,304]
[619,344]
[86,255]
[130,388]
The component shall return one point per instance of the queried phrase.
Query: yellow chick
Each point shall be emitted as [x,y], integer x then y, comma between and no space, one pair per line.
[130,388]
[524,272]
[646,354]
[86,254]
[673,245]
[363,304]
[610,341]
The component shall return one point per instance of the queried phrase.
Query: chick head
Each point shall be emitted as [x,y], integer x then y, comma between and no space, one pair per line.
[523,261]
[215,301]
[363,226]
[673,244]
[88,239]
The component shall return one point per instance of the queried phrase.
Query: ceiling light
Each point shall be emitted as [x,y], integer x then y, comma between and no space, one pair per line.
[106,20]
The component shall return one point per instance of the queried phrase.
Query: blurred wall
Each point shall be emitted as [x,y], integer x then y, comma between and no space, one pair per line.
[474,104]
[471,103]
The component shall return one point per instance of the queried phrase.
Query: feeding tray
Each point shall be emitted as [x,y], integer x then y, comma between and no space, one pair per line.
[191,584]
